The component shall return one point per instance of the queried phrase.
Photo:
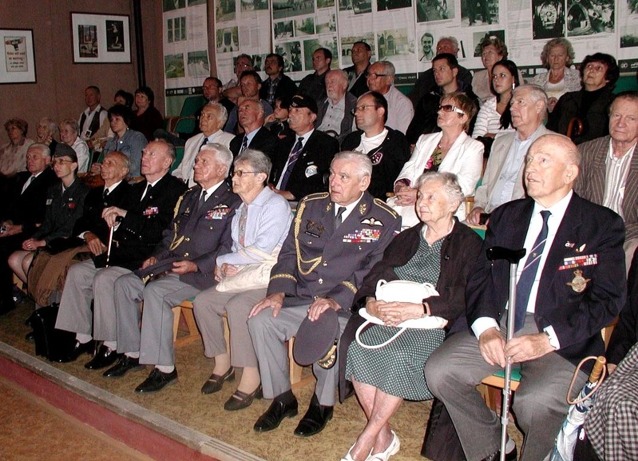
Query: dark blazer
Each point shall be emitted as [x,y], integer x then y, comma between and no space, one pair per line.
[91,220]
[590,183]
[29,208]
[286,89]
[62,210]
[625,335]
[348,117]
[577,318]
[141,230]
[426,83]
[264,141]
[200,235]
[310,171]
[387,160]
[595,119]
[459,247]
[361,85]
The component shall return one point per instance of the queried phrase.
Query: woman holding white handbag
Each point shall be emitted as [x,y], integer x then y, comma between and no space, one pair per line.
[258,229]
[439,252]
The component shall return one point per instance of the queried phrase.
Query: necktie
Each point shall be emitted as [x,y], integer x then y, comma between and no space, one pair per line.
[294,155]
[105,193]
[526,280]
[27,183]
[204,142]
[243,217]
[339,217]
[244,144]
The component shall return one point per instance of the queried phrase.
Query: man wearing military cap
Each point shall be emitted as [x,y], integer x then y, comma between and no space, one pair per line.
[333,242]
[302,159]
[179,268]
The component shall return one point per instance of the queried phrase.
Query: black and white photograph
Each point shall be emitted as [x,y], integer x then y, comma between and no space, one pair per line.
[228,40]
[549,18]
[478,37]
[434,10]
[87,41]
[305,26]
[291,52]
[174,65]
[170,5]
[254,5]
[225,10]
[394,42]
[284,29]
[325,3]
[176,29]
[479,12]
[356,6]
[587,17]
[383,5]
[197,64]
[289,8]
[115,36]
[628,37]
[309,47]
[100,38]
[427,49]
[325,23]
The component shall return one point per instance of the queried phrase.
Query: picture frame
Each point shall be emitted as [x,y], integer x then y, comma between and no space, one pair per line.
[17,63]
[100,38]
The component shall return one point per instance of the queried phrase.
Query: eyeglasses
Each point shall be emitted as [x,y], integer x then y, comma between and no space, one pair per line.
[240,173]
[451,108]
[374,75]
[361,108]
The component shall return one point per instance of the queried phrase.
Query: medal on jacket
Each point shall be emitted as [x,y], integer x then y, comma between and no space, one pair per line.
[578,283]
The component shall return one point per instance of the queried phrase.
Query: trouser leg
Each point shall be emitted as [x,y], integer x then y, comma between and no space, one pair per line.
[75,306]
[104,311]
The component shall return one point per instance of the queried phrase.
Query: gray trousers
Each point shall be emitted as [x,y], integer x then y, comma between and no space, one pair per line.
[210,306]
[83,283]
[453,371]
[155,340]
[269,336]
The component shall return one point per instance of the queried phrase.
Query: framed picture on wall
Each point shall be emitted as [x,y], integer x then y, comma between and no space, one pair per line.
[17,63]
[100,38]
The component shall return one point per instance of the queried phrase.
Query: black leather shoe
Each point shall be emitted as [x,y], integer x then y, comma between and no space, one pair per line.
[315,419]
[240,400]
[215,382]
[102,359]
[123,365]
[157,381]
[511,456]
[275,414]
[77,350]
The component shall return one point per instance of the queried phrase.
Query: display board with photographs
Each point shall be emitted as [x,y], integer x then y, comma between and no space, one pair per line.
[100,38]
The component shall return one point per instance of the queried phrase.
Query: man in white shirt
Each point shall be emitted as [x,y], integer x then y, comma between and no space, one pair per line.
[400,110]
[93,116]
[570,285]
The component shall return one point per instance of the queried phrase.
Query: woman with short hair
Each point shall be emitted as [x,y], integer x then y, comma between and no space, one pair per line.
[125,140]
[13,153]
[69,136]
[146,118]
[557,57]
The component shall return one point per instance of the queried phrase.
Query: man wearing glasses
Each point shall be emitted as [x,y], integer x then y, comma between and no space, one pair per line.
[381,80]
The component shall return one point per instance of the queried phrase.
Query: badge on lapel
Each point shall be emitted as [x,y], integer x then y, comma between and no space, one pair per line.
[578,283]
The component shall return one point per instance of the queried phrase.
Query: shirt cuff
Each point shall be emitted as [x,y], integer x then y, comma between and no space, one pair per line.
[553,339]
[482,324]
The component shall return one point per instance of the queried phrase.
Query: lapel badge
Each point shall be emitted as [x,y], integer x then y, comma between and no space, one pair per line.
[581,248]
[314,229]
[578,283]
[372,222]
[363,208]
[329,207]
[569,244]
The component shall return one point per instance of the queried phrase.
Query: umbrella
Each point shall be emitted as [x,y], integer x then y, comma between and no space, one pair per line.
[568,434]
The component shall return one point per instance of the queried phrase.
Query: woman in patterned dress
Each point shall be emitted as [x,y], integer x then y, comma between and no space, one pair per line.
[437,251]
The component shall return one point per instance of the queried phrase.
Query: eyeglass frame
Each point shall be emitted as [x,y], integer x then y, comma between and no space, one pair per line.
[452,108]
[362,107]
[376,76]
[240,173]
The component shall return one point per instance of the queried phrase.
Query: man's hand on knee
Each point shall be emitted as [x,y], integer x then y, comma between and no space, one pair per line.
[491,346]
[274,301]
[528,347]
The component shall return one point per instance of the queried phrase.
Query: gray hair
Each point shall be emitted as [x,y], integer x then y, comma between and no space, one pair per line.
[536,93]
[45,151]
[222,112]
[364,164]
[170,148]
[341,73]
[51,125]
[454,41]
[222,153]
[258,161]
[388,68]
[73,124]
[448,180]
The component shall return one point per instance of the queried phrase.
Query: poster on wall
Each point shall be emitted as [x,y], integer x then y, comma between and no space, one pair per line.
[100,38]
[18,58]
[186,61]
[240,29]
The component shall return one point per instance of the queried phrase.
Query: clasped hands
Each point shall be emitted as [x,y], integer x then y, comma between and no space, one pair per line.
[179,267]
[394,313]
[275,301]
[405,195]
[496,351]
[225,270]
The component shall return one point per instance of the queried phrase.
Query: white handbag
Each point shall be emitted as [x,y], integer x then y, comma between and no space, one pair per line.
[401,291]
[251,276]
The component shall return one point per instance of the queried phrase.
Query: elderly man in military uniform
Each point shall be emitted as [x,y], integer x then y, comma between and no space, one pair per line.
[181,266]
[334,240]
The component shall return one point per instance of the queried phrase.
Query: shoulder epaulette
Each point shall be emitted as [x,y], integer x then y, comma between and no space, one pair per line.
[316,196]
[380,203]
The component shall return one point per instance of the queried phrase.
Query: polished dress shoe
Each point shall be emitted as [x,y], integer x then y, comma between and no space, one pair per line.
[277,411]
[157,381]
[216,382]
[77,350]
[123,366]
[315,419]
[104,357]
[240,400]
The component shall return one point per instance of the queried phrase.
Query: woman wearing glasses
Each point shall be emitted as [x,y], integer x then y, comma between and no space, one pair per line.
[450,150]
[494,116]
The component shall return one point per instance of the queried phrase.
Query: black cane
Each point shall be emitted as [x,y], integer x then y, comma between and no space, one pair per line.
[512,257]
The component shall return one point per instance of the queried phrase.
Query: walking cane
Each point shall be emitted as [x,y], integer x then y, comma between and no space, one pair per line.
[108,248]
[513,257]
